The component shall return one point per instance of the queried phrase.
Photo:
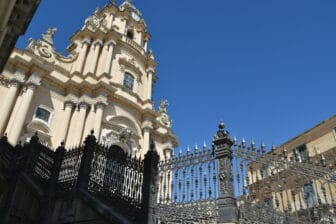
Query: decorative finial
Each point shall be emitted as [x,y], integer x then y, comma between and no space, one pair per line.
[221,125]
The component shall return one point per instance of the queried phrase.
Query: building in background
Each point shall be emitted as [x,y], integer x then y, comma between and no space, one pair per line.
[104,84]
[299,175]
[15,16]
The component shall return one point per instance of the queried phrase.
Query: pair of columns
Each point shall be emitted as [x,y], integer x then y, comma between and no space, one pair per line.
[88,58]
[15,129]
[74,127]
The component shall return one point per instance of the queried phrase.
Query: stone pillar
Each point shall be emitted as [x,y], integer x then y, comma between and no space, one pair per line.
[77,135]
[146,127]
[64,125]
[82,55]
[227,207]
[94,54]
[98,118]
[149,185]
[109,47]
[150,73]
[17,126]
[7,106]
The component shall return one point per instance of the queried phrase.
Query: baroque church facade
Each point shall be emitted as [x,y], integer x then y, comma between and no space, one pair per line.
[104,84]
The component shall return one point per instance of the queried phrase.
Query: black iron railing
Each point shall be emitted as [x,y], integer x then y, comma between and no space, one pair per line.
[108,173]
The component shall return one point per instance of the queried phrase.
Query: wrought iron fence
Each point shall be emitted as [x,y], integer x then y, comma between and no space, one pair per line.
[108,173]
[69,169]
[275,186]
[116,175]
[230,182]
[188,187]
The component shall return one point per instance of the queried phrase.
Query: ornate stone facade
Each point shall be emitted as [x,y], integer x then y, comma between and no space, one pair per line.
[104,83]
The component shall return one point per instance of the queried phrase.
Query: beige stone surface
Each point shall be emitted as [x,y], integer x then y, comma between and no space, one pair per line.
[100,54]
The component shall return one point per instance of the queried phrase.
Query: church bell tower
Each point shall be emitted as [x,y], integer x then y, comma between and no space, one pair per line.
[104,84]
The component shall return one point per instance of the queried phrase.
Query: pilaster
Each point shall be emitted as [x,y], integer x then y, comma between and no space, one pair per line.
[92,58]
[82,108]
[9,101]
[108,48]
[15,131]
[82,56]
[64,125]
[98,118]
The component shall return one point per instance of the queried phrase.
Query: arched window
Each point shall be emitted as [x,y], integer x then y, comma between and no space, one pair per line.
[130,34]
[128,81]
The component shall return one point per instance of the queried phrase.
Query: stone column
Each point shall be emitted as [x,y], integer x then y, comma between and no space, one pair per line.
[109,47]
[7,106]
[98,118]
[64,125]
[77,135]
[89,122]
[82,55]
[150,73]
[95,54]
[146,127]
[227,207]
[22,113]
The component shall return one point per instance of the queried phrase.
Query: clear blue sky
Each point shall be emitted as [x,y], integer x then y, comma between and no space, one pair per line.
[265,67]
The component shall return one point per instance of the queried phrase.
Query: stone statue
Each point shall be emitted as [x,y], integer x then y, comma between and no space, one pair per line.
[164,116]
[49,35]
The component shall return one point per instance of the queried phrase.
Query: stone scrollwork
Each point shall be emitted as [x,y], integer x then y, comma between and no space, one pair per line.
[45,46]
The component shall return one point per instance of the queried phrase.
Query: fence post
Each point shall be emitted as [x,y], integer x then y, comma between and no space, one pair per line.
[227,207]
[59,154]
[148,190]
[47,201]
[34,149]
[85,166]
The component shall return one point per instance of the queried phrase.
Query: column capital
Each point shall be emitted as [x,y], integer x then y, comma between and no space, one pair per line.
[19,74]
[147,125]
[34,81]
[110,42]
[98,42]
[69,104]
[83,105]
[15,82]
[100,105]
[31,85]
[86,40]
[150,70]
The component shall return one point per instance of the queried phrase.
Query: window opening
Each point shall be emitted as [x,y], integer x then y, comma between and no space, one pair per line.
[128,81]
[42,114]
